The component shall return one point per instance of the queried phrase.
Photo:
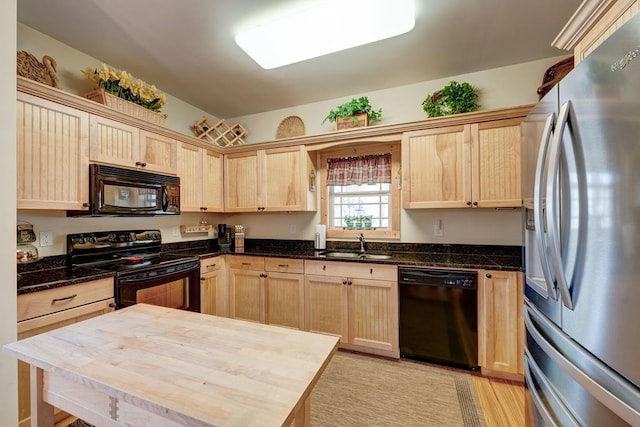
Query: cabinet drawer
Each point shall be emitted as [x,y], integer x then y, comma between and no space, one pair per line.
[246,263]
[208,265]
[284,265]
[352,269]
[53,300]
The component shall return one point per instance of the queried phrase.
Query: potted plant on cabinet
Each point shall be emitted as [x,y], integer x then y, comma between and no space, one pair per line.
[355,113]
[454,98]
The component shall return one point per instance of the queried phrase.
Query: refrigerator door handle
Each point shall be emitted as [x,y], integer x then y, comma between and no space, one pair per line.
[532,369]
[602,394]
[552,201]
[547,133]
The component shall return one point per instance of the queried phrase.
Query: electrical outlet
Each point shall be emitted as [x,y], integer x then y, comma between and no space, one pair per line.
[292,229]
[46,238]
[438,228]
[175,231]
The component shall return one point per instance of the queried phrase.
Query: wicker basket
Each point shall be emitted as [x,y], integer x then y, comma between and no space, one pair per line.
[350,122]
[133,110]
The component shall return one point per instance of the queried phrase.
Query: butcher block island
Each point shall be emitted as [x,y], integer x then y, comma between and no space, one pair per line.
[147,365]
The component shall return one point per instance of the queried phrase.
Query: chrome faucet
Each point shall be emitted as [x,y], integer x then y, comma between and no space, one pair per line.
[363,244]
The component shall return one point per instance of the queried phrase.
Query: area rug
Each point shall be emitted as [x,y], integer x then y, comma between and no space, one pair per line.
[363,391]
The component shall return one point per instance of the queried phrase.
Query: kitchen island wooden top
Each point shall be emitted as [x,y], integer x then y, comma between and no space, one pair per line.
[150,365]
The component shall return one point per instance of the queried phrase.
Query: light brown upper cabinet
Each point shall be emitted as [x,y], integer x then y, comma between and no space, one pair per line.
[275,180]
[469,165]
[124,145]
[52,157]
[200,172]
[596,21]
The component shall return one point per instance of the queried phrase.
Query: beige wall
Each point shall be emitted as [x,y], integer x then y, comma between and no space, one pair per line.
[8,315]
[497,88]
[61,225]
[501,87]
[71,62]
[461,226]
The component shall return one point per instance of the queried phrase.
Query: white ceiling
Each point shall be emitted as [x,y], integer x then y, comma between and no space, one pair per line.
[187,49]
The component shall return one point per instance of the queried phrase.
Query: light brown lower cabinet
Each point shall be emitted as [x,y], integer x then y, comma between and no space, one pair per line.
[213,289]
[246,288]
[357,302]
[501,323]
[44,311]
[267,290]
[284,292]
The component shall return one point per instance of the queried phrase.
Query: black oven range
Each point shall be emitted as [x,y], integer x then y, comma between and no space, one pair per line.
[143,272]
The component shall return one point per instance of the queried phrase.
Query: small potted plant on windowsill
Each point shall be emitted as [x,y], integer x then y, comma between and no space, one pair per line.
[355,113]
[349,220]
[366,221]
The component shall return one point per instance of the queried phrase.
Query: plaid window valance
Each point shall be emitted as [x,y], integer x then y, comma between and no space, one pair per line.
[358,170]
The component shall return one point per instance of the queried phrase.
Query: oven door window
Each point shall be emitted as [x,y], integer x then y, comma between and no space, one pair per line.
[179,290]
[115,196]
[173,295]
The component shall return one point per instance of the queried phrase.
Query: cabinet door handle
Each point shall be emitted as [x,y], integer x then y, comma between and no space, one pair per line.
[488,275]
[349,283]
[86,204]
[202,279]
[324,267]
[475,203]
[283,265]
[246,263]
[70,297]
[469,203]
[211,265]
[344,282]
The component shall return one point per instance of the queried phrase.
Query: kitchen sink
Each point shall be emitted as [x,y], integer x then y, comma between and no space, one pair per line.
[342,254]
[356,255]
[375,256]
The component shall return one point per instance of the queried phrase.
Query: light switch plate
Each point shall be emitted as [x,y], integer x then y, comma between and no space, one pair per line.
[438,228]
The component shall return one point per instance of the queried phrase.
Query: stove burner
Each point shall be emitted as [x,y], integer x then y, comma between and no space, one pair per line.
[130,266]
[132,259]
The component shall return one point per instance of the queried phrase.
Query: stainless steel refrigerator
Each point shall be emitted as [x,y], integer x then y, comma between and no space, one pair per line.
[581,175]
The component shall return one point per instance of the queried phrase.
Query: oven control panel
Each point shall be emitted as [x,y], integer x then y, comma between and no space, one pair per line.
[112,239]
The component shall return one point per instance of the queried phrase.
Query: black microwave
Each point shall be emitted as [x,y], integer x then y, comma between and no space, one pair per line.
[119,191]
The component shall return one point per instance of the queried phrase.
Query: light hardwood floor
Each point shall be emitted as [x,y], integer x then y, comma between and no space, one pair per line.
[502,401]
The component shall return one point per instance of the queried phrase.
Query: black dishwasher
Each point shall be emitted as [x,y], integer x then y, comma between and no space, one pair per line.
[439,316]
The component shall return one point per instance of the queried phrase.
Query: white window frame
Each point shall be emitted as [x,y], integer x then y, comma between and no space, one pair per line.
[390,233]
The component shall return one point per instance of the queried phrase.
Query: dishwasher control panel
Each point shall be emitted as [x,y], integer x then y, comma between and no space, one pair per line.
[465,283]
[437,277]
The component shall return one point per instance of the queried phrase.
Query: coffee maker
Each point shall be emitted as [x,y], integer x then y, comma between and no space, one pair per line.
[224,237]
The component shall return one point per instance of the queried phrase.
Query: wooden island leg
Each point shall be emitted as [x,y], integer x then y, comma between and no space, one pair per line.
[303,416]
[41,411]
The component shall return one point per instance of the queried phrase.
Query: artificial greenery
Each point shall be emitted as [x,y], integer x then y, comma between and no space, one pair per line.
[358,222]
[454,98]
[355,106]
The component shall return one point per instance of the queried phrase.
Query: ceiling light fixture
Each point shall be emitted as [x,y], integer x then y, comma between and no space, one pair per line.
[327,27]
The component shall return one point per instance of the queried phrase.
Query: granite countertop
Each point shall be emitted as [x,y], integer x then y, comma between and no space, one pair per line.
[52,272]
[477,257]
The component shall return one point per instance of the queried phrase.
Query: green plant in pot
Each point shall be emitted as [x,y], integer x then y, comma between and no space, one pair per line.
[454,98]
[349,220]
[352,108]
